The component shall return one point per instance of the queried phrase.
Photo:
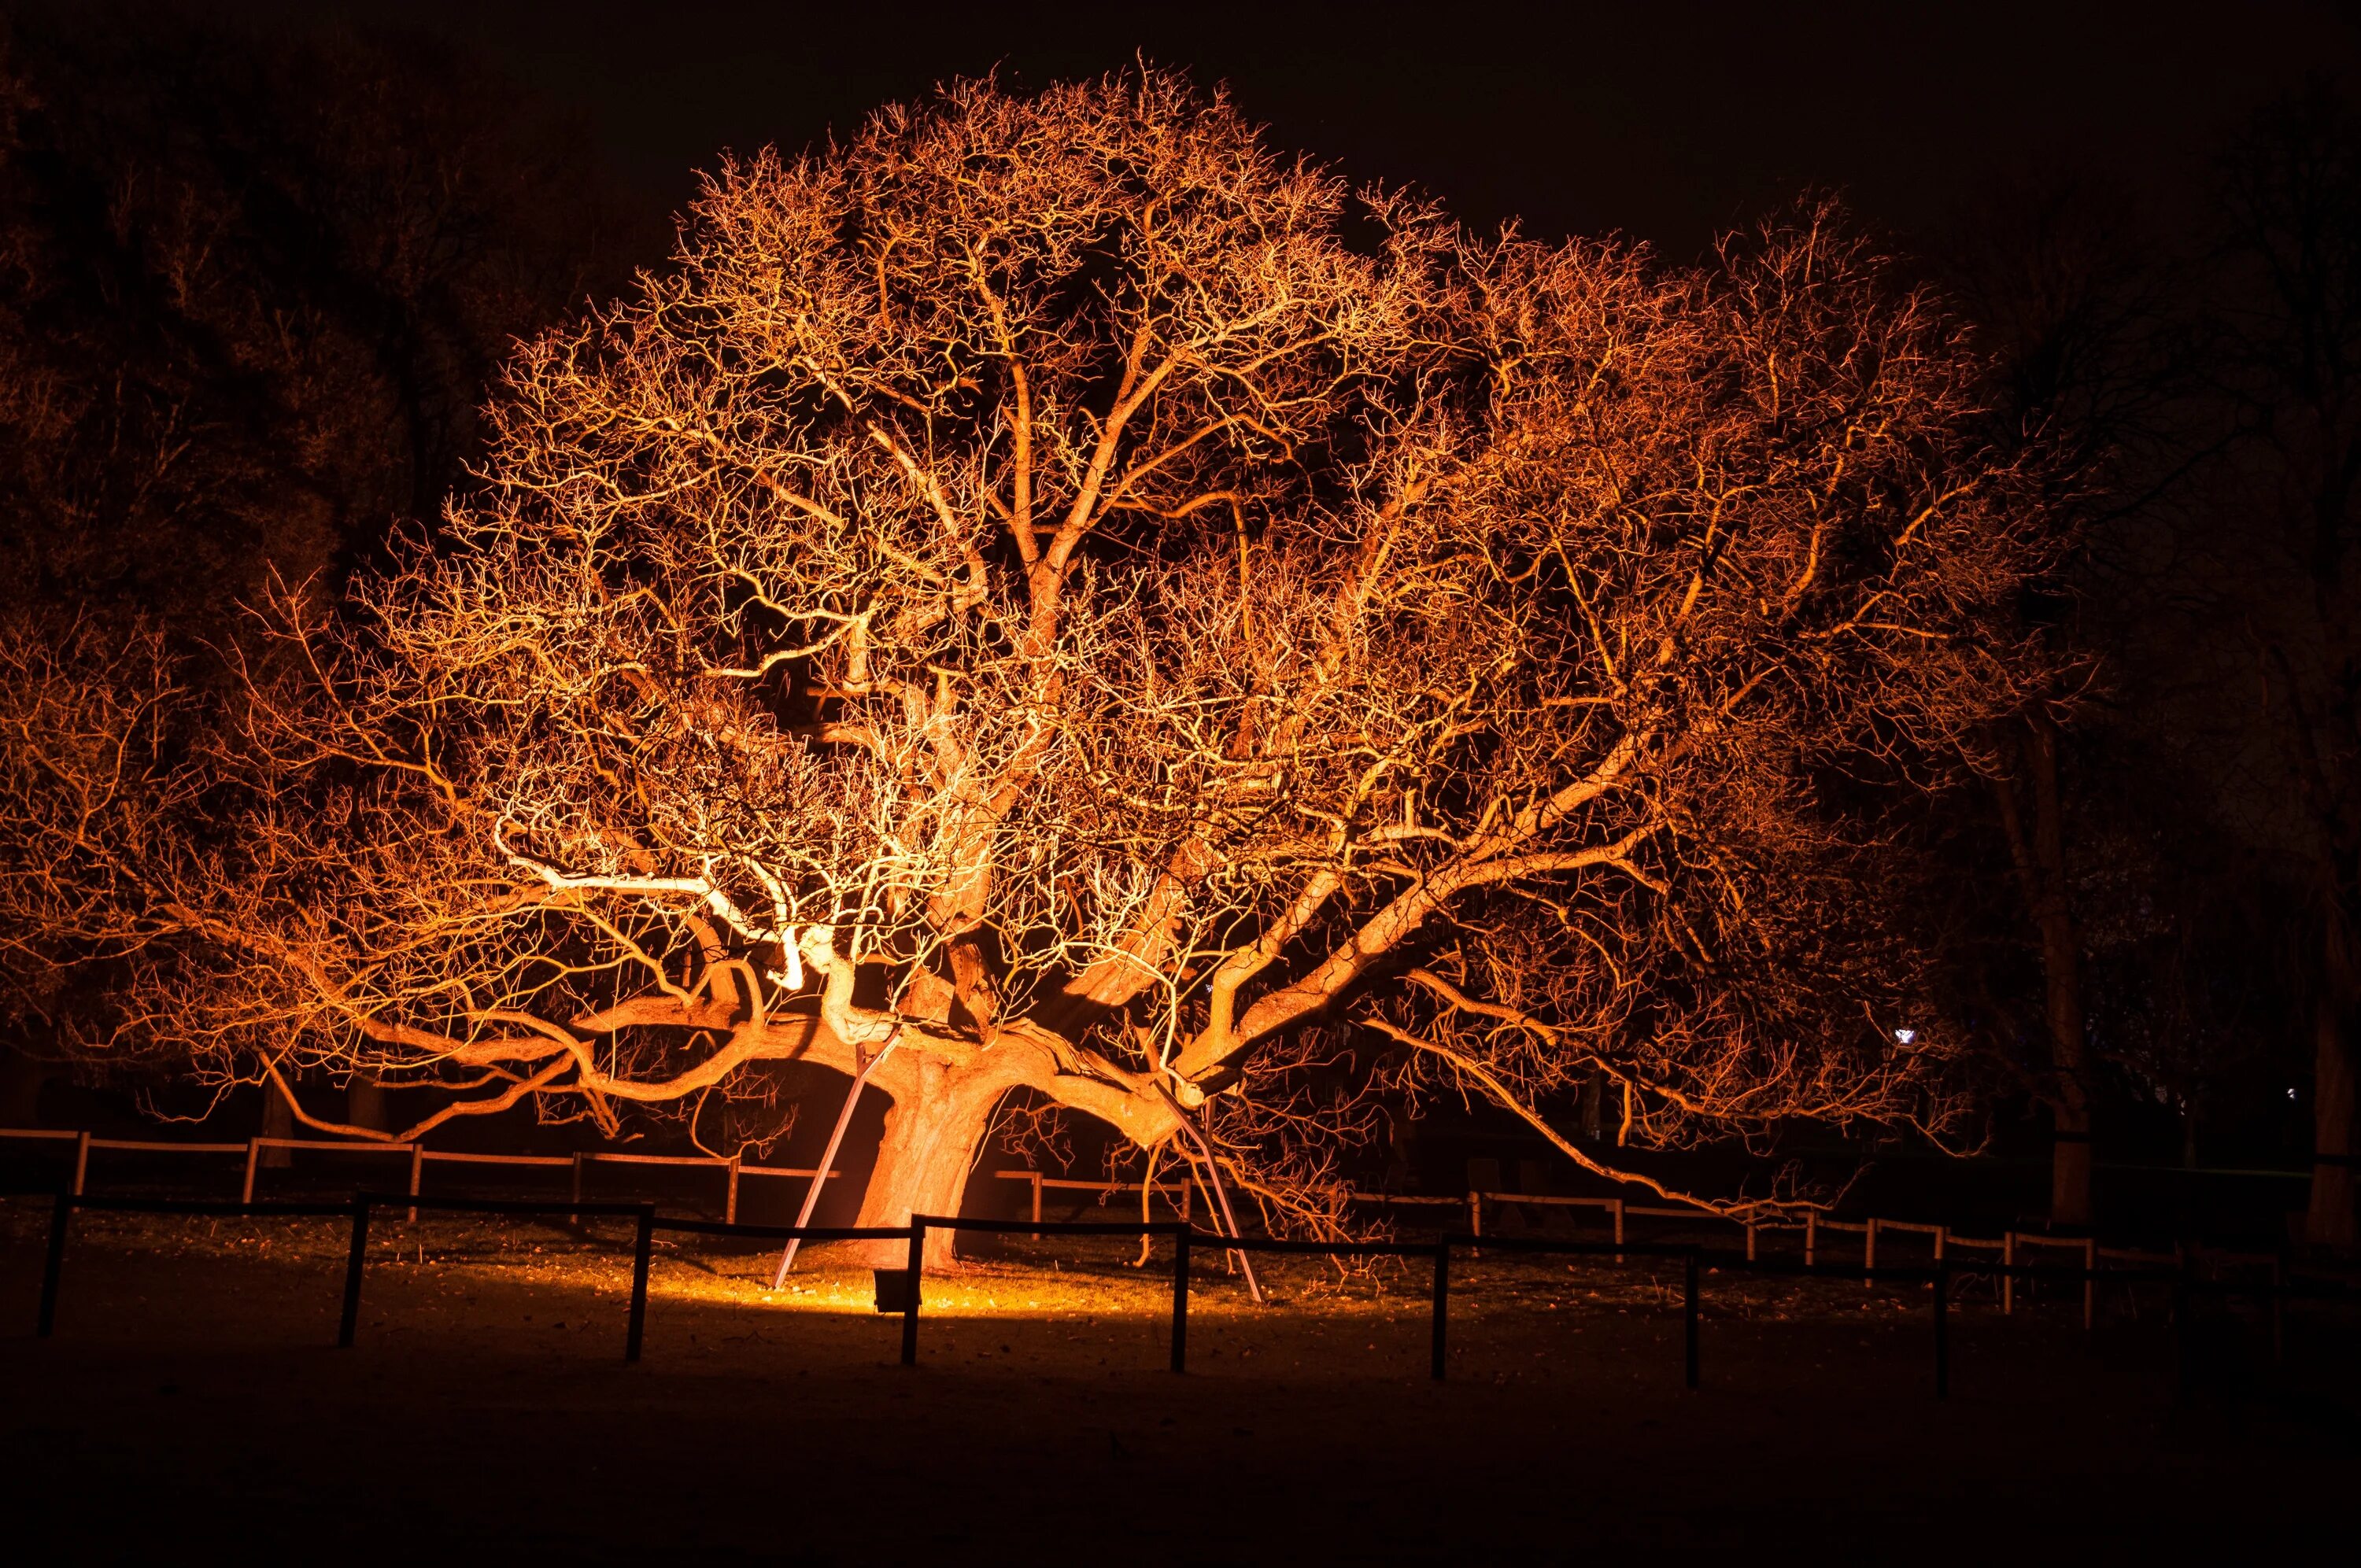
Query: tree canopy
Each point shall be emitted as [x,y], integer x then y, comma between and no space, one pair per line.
[1053,595]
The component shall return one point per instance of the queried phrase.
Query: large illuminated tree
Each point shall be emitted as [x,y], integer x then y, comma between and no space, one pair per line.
[1056,594]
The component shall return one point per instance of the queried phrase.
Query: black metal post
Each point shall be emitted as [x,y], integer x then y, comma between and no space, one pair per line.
[1180,1299]
[1942,1331]
[643,1246]
[1689,1316]
[2180,1338]
[1438,1354]
[910,1301]
[60,1219]
[351,1321]
[2279,1315]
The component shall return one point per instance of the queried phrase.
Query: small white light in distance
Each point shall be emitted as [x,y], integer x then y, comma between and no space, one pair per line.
[1906,1035]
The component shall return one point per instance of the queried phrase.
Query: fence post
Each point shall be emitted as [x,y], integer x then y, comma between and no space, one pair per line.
[1036,1202]
[2090,1283]
[730,1201]
[2278,1317]
[578,1182]
[1438,1351]
[60,1218]
[253,1158]
[2180,1298]
[1942,1330]
[1869,1258]
[349,1324]
[417,1165]
[642,1246]
[1181,1299]
[1750,1236]
[910,1301]
[1689,1316]
[82,1160]
[1942,1234]
[1811,1236]
[1619,1227]
[1476,1220]
[2007,1278]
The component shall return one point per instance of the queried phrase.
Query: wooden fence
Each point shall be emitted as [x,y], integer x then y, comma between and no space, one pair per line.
[418,1157]
[1945,1241]
[2008,1247]
[1105,1190]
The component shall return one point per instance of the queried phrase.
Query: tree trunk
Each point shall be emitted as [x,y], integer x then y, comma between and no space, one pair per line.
[2040,859]
[2329,1218]
[932,1136]
[365,1105]
[21,1076]
[277,1122]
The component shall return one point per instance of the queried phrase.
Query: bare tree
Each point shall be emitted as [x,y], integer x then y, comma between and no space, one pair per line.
[2290,314]
[1051,596]
[2075,300]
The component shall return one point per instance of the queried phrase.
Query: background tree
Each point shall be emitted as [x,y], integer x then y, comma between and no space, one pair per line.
[1049,596]
[2275,560]
[2075,303]
[251,290]
[2199,390]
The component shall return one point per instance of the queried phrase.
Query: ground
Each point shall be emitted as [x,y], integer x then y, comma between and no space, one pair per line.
[191,1403]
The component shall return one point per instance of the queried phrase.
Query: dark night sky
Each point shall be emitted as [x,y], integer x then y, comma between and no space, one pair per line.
[1665,121]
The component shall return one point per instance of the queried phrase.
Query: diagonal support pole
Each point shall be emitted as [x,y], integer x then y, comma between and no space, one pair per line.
[1221,1193]
[828,1160]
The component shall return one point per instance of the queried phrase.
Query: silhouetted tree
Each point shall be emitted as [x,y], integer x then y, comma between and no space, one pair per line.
[2288,316]
[252,290]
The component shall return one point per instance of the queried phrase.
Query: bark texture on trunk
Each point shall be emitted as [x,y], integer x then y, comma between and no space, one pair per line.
[933,1133]
[2039,849]
[944,1084]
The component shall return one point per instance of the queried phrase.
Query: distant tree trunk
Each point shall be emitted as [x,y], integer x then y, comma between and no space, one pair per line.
[365,1105]
[277,1122]
[21,1076]
[937,1124]
[1402,1147]
[1594,1106]
[2329,1218]
[2039,849]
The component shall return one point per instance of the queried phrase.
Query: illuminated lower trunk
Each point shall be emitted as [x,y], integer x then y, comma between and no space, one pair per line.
[932,1135]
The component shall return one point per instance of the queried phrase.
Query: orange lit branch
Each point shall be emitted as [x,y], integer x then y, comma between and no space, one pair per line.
[1024,586]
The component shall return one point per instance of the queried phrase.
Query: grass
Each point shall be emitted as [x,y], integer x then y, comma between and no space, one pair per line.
[486,1408]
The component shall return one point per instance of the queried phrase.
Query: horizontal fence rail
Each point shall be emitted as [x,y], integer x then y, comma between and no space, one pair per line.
[2179,1272]
[255,1148]
[1177,1195]
[2183,1281]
